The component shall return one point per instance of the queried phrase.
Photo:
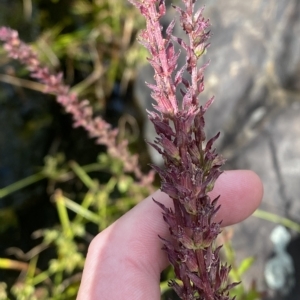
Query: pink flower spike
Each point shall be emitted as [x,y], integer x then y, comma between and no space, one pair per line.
[191,165]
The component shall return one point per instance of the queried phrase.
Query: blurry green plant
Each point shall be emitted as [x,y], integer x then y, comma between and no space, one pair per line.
[95,43]
[101,204]
[103,46]
[93,40]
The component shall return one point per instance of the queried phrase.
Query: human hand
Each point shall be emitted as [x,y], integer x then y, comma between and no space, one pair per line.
[125,260]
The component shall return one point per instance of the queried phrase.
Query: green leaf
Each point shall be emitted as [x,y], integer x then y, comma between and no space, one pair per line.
[245,265]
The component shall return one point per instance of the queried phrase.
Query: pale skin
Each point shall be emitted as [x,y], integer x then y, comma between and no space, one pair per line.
[125,260]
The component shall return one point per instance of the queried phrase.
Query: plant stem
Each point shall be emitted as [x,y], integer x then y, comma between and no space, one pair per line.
[21,184]
[63,214]
[277,219]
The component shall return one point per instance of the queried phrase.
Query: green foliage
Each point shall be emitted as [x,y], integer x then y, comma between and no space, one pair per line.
[97,39]
[101,204]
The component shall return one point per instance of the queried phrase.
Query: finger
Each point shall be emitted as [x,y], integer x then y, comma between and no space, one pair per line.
[241,193]
[125,260]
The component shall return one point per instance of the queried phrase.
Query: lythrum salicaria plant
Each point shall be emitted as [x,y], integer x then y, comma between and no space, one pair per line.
[81,111]
[191,164]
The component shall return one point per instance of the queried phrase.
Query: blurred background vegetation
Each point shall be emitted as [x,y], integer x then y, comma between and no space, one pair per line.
[57,188]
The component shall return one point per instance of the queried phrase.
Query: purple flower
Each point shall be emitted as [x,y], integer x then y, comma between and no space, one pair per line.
[191,164]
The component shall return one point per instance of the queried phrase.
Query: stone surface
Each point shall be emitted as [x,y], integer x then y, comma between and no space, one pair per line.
[255,76]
